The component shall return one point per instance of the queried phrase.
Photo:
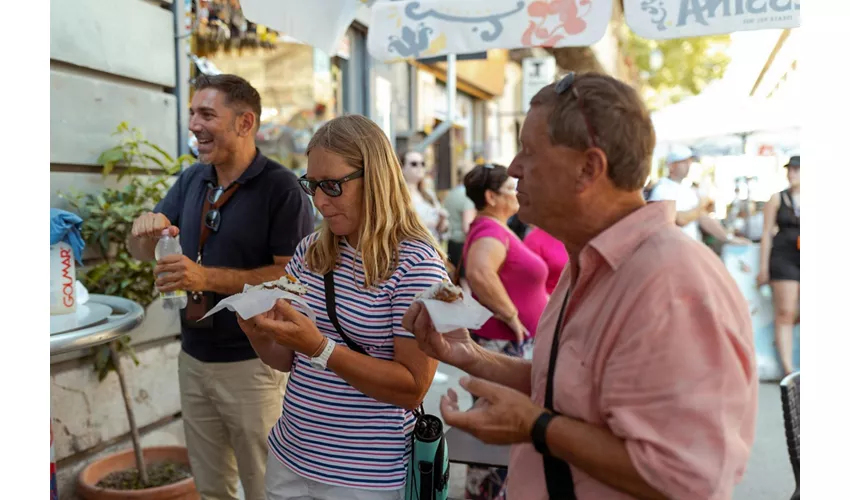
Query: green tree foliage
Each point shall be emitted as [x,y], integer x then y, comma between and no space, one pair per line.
[671,70]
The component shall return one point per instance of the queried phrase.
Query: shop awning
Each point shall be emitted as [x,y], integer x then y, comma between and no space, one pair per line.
[704,117]
[403,29]
[320,23]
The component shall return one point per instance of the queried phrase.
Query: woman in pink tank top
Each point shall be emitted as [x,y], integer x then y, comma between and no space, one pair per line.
[504,276]
[552,251]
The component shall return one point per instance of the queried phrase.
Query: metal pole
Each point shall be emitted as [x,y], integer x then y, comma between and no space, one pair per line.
[451,98]
[744,137]
[181,74]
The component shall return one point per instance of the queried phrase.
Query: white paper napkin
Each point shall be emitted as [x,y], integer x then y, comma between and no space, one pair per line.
[251,303]
[448,316]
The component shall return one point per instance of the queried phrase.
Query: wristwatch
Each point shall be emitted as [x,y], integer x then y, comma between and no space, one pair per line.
[538,432]
[320,362]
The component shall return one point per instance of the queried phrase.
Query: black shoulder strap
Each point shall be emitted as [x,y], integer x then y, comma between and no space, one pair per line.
[441,475]
[330,304]
[559,475]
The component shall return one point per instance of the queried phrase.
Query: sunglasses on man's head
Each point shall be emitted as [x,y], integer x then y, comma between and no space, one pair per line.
[567,85]
[331,187]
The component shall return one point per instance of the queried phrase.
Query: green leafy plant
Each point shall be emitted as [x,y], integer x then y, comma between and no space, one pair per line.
[108,217]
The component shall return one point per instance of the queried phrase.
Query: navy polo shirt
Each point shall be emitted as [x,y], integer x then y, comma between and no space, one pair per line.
[266,217]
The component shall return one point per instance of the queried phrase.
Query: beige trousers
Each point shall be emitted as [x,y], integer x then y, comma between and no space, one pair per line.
[228,411]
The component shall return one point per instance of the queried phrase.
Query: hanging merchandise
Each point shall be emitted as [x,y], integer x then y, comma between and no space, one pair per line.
[221,26]
[204,65]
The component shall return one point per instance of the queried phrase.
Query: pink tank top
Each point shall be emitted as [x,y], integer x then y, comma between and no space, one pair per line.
[523,274]
[552,251]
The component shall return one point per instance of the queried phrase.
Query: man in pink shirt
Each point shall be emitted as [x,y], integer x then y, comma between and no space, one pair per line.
[651,388]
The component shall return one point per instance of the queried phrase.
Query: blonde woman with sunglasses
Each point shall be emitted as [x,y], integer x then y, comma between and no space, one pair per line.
[347,414]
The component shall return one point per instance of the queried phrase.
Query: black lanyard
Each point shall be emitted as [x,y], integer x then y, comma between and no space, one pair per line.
[559,475]
[553,353]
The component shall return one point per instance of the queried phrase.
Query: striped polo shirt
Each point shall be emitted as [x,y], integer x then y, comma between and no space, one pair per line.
[329,431]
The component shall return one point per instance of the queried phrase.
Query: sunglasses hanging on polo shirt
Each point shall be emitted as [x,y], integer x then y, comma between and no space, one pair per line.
[199,302]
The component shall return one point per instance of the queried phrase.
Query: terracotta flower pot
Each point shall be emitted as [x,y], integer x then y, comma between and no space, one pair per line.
[95,471]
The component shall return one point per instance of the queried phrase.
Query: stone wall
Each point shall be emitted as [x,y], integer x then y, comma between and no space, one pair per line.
[111,61]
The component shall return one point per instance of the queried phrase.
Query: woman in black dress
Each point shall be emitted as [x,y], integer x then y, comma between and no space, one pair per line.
[780,261]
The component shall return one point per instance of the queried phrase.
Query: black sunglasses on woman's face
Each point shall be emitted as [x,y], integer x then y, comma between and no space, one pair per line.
[331,187]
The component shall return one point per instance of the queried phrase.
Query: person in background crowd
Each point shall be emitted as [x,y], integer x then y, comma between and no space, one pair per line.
[552,251]
[519,227]
[229,398]
[692,212]
[643,382]
[504,276]
[648,188]
[780,261]
[461,213]
[192,142]
[347,416]
[747,223]
[425,202]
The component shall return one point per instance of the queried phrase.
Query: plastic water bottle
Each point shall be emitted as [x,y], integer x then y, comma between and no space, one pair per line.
[169,245]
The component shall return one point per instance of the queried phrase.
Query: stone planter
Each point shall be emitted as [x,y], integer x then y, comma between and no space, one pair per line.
[97,470]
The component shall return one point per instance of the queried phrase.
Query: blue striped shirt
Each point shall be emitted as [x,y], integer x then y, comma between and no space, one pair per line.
[329,431]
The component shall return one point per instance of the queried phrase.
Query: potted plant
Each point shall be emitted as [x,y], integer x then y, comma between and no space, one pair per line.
[108,215]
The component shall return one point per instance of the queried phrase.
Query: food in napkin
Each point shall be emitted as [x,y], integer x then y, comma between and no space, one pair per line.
[259,299]
[450,309]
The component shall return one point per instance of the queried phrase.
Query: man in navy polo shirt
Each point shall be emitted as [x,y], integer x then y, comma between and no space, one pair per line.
[230,398]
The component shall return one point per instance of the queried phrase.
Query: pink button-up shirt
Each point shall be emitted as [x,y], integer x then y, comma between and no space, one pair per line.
[657,347]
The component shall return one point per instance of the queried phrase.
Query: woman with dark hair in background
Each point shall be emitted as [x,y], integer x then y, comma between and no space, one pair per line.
[506,277]
[780,261]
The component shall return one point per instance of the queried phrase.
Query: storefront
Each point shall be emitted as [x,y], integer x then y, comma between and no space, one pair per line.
[454,147]
[480,83]
[301,87]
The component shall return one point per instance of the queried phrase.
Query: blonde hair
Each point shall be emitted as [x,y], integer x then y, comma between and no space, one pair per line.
[387,215]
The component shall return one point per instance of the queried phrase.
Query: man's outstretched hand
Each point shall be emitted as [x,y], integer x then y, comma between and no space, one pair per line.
[500,416]
[455,348]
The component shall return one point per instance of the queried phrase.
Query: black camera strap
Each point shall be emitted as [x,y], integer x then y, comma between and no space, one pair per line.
[559,475]
[330,304]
